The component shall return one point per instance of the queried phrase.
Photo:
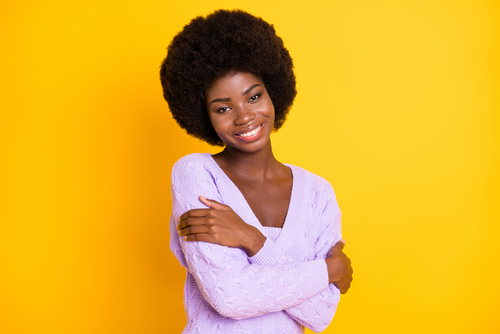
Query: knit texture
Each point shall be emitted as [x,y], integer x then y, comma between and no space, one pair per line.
[283,287]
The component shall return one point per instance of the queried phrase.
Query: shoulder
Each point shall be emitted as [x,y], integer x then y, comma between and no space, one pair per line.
[193,168]
[194,161]
[310,181]
[317,191]
[321,200]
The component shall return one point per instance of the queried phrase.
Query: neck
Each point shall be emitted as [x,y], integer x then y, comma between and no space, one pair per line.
[259,164]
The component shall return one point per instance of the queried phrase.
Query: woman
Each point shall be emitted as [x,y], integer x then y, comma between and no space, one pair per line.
[260,240]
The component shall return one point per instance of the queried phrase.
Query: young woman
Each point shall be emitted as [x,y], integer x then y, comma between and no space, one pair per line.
[260,240]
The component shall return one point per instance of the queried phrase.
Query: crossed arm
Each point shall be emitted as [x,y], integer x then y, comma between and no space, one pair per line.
[219,224]
[242,275]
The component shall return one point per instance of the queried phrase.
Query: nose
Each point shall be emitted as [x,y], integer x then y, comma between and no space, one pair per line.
[244,115]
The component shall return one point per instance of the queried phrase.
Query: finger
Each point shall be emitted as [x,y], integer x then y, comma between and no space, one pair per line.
[213,204]
[199,237]
[197,229]
[195,237]
[339,286]
[190,221]
[193,213]
[340,244]
[342,286]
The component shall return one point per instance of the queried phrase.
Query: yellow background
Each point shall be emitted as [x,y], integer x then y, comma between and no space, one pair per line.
[398,107]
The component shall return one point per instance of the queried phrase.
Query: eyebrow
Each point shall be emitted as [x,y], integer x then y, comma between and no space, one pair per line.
[249,89]
[226,99]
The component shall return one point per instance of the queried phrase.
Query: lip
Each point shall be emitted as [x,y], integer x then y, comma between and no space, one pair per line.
[250,129]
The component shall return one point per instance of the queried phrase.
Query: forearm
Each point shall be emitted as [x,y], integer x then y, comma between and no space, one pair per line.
[254,242]
[238,289]
[315,312]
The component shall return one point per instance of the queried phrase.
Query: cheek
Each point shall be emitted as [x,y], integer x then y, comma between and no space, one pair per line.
[213,121]
[270,108]
[219,126]
[272,114]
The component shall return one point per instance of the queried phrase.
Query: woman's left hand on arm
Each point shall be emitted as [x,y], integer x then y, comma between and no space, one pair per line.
[339,267]
[219,224]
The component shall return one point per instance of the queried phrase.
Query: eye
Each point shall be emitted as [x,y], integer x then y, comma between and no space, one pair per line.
[222,110]
[254,97]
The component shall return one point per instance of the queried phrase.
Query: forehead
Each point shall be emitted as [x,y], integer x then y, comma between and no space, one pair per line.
[233,83]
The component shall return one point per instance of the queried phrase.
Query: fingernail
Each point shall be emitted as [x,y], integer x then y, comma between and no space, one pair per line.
[342,241]
[203,198]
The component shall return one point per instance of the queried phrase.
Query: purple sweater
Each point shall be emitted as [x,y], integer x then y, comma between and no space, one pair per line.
[283,287]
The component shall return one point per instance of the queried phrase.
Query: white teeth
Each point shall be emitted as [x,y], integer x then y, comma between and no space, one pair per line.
[251,133]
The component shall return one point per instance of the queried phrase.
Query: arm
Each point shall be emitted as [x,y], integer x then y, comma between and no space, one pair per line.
[228,281]
[317,311]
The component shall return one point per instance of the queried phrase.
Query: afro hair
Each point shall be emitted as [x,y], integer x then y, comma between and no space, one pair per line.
[211,47]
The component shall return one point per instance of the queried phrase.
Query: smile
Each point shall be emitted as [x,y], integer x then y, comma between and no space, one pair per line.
[251,134]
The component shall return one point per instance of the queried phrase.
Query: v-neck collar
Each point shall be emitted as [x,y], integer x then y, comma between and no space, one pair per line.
[294,207]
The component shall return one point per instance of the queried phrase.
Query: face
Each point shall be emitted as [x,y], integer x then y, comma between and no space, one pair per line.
[241,111]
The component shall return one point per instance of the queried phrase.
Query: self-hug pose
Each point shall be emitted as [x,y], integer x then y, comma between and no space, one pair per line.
[260,240]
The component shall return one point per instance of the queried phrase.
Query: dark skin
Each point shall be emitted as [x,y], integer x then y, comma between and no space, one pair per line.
[268,195]
[242,114]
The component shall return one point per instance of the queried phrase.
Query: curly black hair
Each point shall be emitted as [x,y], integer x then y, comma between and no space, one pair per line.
[211,47]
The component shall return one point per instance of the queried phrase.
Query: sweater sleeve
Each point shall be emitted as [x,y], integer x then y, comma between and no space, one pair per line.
[232,285]
[316,312]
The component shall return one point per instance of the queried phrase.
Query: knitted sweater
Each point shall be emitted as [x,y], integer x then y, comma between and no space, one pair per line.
[283,287]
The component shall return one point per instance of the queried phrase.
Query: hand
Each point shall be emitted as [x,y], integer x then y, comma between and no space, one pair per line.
[339,267]
[219,224]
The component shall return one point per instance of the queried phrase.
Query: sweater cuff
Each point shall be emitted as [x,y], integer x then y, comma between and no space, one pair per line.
[319,276]
[269,254]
